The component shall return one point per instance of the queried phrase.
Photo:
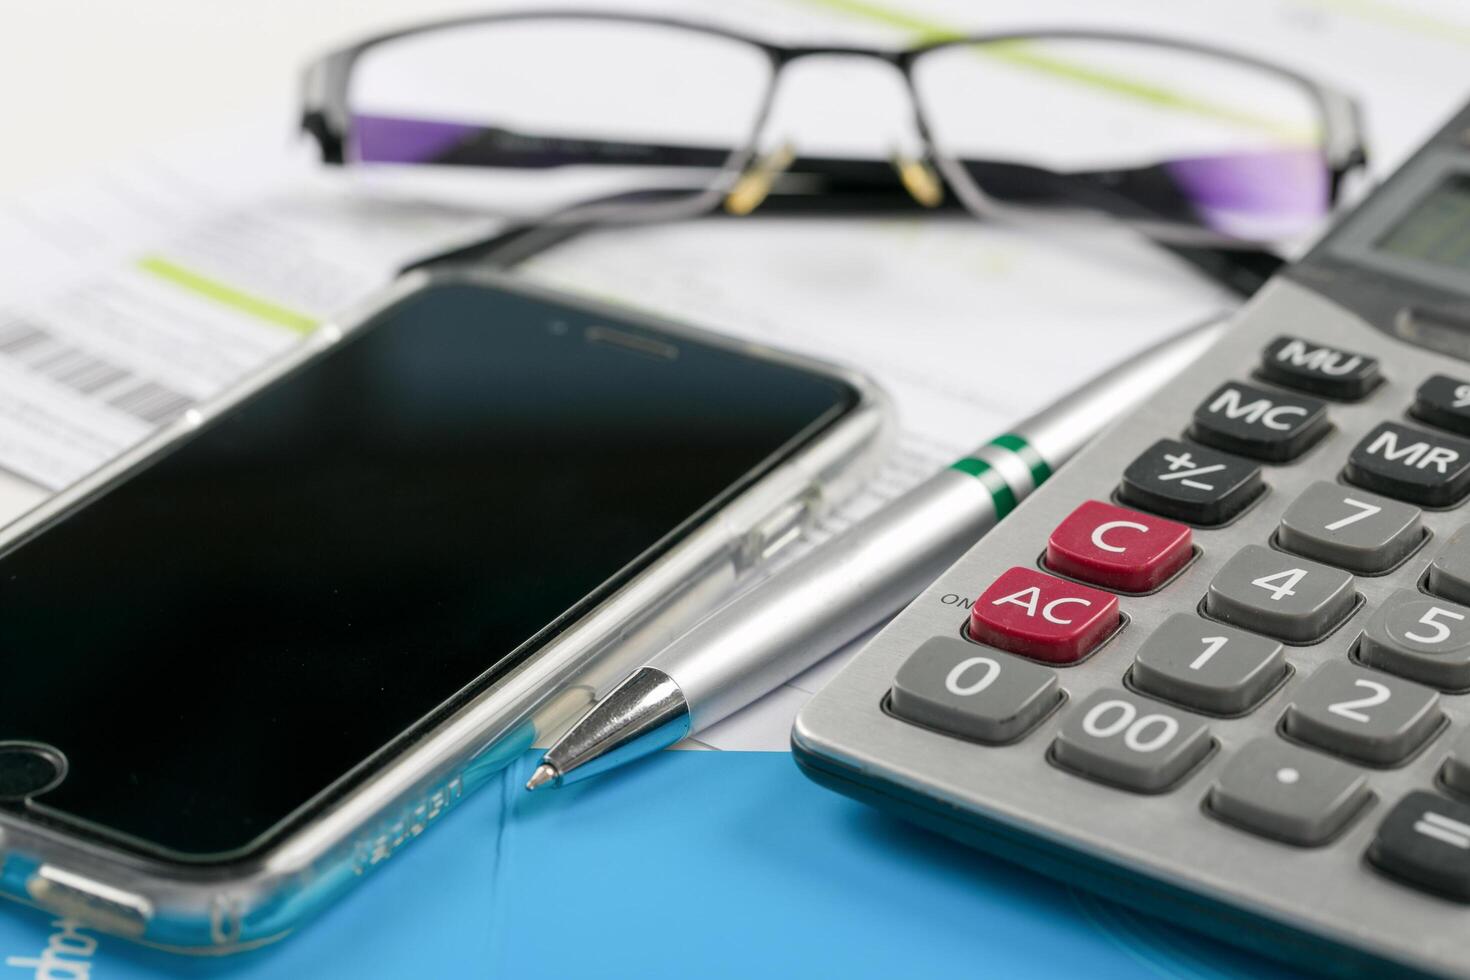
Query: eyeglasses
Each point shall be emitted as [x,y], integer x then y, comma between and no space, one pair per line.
[1189,144]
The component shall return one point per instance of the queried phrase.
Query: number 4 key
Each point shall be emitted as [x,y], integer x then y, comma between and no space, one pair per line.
[1281,595]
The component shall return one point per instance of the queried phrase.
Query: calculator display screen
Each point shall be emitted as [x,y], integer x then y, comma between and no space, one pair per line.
[1435,230]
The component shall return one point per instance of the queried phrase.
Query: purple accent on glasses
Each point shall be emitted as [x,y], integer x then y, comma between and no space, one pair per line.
[392,139]
[1258,192]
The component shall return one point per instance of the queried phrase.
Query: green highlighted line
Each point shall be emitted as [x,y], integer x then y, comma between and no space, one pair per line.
[925,30]
[1025,55]
[1401,17]
[226,295]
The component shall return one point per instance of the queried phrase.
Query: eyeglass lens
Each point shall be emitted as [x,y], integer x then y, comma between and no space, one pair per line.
[1187,136]
[558,109]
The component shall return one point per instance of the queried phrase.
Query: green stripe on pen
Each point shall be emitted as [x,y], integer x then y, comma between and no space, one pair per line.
[1040,471]
[926,30]
[1019,53]
[227,295]
[1001,493]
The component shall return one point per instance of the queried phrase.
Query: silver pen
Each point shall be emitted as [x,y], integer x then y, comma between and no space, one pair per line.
[833,594]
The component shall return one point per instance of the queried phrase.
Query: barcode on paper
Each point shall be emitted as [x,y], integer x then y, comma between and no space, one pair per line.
[37,350]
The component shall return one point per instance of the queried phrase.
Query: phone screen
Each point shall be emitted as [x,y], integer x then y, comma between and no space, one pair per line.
[214,641]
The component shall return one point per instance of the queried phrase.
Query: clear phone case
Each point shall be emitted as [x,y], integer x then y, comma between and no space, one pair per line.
[214,909]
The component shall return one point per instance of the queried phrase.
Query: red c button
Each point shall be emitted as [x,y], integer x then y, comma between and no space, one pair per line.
[1118,548]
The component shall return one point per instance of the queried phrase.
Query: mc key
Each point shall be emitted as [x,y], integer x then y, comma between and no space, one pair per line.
[1411,464]
[1251,421]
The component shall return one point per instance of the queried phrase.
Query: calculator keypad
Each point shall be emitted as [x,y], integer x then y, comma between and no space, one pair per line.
[972,692]
[1375,703]
[1349,528]
[1281,595]
[1189,483]
[1118,548]
[1363,714]
[1042,617]
[1119,738]
[1250,421]
[1411,464]
[1207,666]
[1327,371]
[1288,793]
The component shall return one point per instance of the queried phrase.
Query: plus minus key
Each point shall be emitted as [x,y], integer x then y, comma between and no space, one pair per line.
[1191,484]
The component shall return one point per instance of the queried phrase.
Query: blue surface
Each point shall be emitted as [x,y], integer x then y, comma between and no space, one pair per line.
[718,865]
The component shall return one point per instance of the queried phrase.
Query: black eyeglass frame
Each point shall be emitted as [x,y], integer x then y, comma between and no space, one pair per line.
[326,116]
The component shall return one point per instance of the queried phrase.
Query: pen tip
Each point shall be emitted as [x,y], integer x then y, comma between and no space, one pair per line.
[544,774]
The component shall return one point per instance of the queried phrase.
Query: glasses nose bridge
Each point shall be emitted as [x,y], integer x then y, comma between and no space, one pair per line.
[910,162]
[787,55]
[898,60]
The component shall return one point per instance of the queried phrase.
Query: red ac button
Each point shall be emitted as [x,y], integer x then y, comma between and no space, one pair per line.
[1042,617]
[1118,548]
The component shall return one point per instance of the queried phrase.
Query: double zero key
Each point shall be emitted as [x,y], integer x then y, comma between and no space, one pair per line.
[1118,738]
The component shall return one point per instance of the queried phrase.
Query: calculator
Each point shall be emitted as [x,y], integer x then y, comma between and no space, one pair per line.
[1218,667]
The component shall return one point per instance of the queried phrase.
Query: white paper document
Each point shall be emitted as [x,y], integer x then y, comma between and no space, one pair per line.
[136,294]
[157,285]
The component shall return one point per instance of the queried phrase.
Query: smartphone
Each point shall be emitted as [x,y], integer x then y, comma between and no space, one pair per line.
[249,661]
